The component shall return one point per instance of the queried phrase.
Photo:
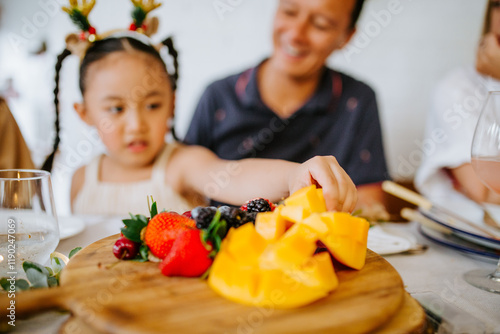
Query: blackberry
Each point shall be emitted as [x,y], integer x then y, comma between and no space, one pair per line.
[232,216]
[259,205]
[203,216]
[247,217]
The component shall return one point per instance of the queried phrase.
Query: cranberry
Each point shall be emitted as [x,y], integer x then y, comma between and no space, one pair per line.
[125,249]
[187,214]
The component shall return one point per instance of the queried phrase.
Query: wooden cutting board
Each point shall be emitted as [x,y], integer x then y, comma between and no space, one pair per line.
[130,297]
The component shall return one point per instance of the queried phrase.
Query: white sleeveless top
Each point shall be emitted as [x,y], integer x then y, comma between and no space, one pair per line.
[110,198]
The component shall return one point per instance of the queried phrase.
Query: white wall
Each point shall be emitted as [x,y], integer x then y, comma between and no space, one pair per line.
[402,48]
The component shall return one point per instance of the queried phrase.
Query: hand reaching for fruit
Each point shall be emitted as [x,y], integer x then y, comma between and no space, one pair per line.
[338,189]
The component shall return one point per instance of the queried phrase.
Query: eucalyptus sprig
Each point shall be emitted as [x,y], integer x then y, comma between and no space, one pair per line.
[39,276]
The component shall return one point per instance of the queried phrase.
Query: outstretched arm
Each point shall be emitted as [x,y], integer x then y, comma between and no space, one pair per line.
[237,181]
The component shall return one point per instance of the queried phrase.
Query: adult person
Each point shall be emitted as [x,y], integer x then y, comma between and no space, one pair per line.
[13,150]
[292,106]
[447,172]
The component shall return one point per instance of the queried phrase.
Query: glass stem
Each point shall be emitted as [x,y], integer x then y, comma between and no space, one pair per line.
[495,276]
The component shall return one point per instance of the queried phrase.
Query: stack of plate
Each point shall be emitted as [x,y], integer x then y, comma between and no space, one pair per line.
[461,236]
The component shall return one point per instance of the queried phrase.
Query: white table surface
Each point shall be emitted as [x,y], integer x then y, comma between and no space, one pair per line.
[438,270]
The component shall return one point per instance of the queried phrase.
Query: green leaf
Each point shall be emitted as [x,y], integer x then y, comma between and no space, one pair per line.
[53,281]
[38,267]
[143,251]
[36,278]
[74,251]
[49,269]
[134,224]
[131,234]
[57,265]
[4,283]
[22,285]
[154,209]
[143,219]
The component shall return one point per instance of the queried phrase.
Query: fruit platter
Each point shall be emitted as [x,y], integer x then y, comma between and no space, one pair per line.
[261,268]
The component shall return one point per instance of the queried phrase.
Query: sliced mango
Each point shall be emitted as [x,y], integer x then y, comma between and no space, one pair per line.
[309,198]
[347,238]
[270,225]
[296,246]
[245,245]
[294,214]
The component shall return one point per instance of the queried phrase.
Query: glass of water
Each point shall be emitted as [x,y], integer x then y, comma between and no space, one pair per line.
[28,220]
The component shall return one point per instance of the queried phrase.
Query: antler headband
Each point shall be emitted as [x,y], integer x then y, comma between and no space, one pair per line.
[79,43]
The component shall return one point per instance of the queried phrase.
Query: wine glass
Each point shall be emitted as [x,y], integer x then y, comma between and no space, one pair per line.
[485,159]
[28,220]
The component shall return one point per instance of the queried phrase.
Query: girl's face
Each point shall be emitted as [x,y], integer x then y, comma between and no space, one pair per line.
[306,32]
[129,99]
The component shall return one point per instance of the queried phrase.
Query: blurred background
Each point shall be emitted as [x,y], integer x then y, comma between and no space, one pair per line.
[402,48]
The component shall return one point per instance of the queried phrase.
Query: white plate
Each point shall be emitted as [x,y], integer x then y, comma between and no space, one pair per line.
[70,226]
[472,212]
[385,241]
[453,241]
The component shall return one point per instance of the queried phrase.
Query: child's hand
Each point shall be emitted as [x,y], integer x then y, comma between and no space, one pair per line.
[338,189]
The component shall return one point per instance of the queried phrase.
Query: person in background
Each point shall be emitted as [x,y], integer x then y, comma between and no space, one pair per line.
[291,106]
[128,95]
[456,105]
[13,150]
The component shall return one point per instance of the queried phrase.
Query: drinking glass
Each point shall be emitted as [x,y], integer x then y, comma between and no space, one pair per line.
[485,159]
[28,220]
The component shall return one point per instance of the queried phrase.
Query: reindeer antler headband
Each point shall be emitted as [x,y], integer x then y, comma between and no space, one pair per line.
[79,43]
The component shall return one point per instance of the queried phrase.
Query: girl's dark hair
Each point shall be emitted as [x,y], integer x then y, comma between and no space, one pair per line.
[97,51]
[356,12]
[47,165]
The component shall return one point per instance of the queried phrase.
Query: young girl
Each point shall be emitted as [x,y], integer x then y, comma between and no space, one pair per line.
[128,95]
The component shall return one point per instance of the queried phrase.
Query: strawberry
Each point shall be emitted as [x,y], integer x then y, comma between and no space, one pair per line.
[188,257]
[163,229]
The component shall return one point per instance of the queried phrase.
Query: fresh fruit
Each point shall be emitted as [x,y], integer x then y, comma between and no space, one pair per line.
[309,198]
[258,205]
[203,216]
[347,238]
[187,214]
[188,257]
[270,225]
[163,229]
[292,254]
[242,272]
[125,249]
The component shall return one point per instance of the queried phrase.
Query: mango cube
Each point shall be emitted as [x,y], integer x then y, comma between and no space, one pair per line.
[294,214]
[309,198]
[270,225]
[246,245]
[295,247]
[347,239]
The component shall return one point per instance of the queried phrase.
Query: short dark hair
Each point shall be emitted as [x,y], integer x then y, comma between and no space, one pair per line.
[355,12]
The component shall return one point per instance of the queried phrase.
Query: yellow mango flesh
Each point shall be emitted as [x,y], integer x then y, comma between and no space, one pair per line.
[270,225]
[347,238]
[309,198]
[294,214]
[246,245]
[295,284]
[317,222]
